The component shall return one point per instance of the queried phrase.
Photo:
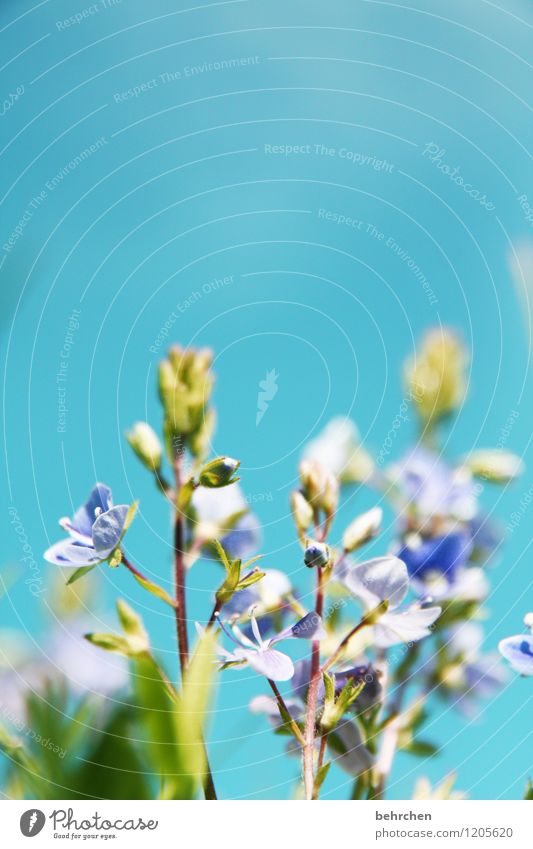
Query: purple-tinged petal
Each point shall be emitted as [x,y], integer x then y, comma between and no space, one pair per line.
[485,677]
[108,529]
[269,706]
[405,626]
[309,627]
[469,584]
[349,751]
[99,501]
[379,579]
[302,678]
[518,651]
[243,540]
[269,662]
[69,553]
[67,526]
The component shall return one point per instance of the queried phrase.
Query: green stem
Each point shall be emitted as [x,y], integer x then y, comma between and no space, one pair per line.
[181,608]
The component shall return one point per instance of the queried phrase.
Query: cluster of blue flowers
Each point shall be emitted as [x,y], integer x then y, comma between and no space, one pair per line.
[380,628]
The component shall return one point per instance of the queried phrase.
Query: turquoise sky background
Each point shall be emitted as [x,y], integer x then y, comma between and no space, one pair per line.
[184,204]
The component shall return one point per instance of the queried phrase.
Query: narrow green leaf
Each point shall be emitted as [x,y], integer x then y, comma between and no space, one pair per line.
[110,642]
[321,776]
[223,557]
[130,515]
[79,573]
[156,590]
[250,579]
[172,728]
[421,748]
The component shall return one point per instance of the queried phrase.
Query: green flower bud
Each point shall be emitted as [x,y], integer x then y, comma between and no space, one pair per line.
[301,511]
[362,529]
[200,440]
[319,486]
[316,555]
[146,445]
[436,376]
[219,472]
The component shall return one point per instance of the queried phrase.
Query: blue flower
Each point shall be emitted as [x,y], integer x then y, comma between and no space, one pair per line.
[443,554]
[469,583]
[433,488]
[463,670]
[518,650]
[260,655]
[268,597]
[215,512]
[384,581]
[94,532]
[369,697]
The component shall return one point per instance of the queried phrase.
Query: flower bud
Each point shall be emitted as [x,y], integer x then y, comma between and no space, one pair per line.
[316,555]
[497,466]
[528,621]
[200,440]
[219,472]
[301,511]
[146,445]
[435,376]
[319,486]
[362,529]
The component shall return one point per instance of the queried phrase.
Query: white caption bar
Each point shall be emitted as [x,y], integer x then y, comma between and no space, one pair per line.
[265,825]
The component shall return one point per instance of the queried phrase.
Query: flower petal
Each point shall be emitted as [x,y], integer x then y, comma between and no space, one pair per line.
[518,651]
[379,579]
[349,751]
[309,627]
[269,706]
[99,501]
[405,626]
[443,554]
[108,528]
[243,540]
[69,553]
[269,662]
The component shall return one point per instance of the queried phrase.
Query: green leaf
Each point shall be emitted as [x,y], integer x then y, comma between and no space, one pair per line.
[113,767]
[321,776]
[233,574]
[131,622]
[223,557]
[130,515]
[156,590]
[528,795]
[421,748]
[250,579]
[172,727]
[79,573]
[185,495]
[329,686]
[110,642]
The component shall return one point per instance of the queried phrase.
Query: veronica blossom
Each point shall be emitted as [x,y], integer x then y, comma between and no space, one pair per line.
[260,655]
[94,532]
[384,581]
[214,508]
[518,650]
